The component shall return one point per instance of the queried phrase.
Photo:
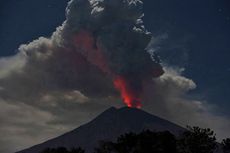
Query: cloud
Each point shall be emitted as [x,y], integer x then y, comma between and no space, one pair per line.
[86,53]
[11,64]
[22,122]
[168,97]
[83,55]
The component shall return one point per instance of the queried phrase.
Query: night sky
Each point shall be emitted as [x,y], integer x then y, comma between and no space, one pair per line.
[201,35]
[193,35]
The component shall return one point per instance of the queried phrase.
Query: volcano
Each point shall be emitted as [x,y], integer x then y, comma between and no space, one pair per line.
[108,126]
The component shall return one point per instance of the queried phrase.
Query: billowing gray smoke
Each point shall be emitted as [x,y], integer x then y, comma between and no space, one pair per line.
[113,28]
[111,35]
[101,45]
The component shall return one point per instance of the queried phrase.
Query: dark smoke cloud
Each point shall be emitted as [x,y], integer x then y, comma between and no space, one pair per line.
[65,80]
[92,47]
[114,42]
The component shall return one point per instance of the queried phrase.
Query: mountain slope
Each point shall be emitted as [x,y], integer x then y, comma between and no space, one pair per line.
[108,126]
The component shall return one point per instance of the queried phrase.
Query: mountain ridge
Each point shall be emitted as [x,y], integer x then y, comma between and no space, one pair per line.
[108,126]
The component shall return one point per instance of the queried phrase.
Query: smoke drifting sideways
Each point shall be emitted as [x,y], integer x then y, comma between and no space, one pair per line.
[100,50]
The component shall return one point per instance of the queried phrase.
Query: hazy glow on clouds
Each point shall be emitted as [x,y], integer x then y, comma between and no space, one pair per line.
[50,88]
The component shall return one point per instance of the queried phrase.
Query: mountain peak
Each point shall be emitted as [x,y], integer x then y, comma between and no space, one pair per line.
[123,110]
[108,126]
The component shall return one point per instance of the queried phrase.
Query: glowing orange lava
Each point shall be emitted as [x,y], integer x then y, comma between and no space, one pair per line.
[129,96]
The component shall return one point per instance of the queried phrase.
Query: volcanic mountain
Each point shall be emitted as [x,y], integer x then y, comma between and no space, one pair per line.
[108,126]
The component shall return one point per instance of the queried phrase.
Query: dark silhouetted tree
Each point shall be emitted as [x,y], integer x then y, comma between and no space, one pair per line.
[197,140]
[63,150]
[226,145]
[55,150]
[77,150]
[105,147]
[194,140]
[145,142]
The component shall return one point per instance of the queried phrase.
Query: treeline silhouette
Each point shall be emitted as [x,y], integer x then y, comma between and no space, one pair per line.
[63,150]
[194,140]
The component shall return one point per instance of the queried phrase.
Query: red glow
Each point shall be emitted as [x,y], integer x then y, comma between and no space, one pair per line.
[130,97]
[91,49]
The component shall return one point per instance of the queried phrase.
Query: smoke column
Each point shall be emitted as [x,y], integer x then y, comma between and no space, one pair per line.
[110,34]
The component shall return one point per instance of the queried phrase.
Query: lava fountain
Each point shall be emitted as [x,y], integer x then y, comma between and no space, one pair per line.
[130,95]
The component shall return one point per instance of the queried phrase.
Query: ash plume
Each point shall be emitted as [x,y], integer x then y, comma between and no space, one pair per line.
[115,43]
[100,50]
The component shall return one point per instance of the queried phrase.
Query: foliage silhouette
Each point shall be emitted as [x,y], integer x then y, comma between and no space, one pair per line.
[197,140]
[194,140]
[145,142]
[226,145]
[63,150]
